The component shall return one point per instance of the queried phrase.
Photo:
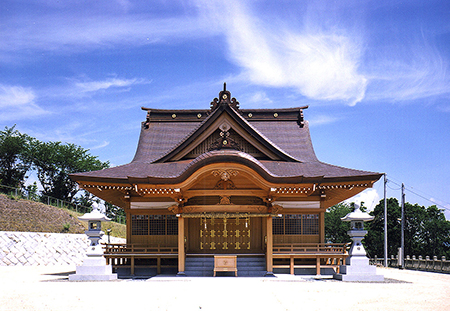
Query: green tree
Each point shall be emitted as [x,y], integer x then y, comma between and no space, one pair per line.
[14,160]
[335,228]
[374,240]
[85,201]
[54,162]
[32,192]
[414,227]
[436,233]
[113,211]
[427,232]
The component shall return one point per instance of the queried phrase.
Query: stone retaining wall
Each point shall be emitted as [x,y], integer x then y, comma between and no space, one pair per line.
[36,248]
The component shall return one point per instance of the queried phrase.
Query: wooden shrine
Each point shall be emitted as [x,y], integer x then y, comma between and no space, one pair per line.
[226,181]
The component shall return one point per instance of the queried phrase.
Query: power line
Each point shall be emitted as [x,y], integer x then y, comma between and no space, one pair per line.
[392,188]
[422,196]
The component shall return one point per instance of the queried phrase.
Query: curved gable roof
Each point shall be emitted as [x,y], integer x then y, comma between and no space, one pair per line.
[281,133]
[206,125]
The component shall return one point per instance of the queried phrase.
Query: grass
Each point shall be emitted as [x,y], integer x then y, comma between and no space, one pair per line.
[117,230]
[29,216]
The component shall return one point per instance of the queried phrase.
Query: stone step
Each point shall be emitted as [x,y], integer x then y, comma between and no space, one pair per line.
[248,266]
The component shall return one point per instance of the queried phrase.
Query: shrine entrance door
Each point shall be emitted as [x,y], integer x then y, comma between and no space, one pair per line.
[225,235]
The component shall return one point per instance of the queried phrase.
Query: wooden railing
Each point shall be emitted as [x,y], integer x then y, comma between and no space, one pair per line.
[139,249]
[328,254]
[310,248]
[125,254]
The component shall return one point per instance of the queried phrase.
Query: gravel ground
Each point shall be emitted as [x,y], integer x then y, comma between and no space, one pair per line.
[47,288]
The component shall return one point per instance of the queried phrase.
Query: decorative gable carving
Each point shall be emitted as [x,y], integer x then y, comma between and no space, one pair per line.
[225,140]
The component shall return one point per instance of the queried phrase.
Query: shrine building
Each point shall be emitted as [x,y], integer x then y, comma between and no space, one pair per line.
[225,189]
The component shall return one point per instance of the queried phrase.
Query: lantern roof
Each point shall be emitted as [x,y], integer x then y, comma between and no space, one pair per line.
[95,215]
[357,215]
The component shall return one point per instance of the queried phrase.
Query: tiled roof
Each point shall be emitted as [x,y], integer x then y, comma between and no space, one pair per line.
[293,139]
[272,170]
[166,132]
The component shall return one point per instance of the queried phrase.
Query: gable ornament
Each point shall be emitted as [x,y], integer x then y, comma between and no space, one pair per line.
[225,175]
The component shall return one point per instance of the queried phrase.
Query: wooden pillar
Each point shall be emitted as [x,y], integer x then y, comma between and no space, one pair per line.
[291,265]
[322,227]
[269,254]
[128,217]
[158,265]
[181,252]
[317,266]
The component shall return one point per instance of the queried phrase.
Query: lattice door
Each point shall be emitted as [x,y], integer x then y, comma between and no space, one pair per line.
[225,235]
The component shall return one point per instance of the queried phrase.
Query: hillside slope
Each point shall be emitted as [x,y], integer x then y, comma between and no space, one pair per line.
[30,216]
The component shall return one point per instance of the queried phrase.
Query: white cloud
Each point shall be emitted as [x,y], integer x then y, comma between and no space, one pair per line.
[370,198]
[102,145]
[17,102]
[61,31]
[320,64]
[322,119]
[94,86]
[258,99]
[11,95]
[414,71]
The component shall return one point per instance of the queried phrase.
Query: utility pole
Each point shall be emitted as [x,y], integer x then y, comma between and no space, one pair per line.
[385,225]
[402,258]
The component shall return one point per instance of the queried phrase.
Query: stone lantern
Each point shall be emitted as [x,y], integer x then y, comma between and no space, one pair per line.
[94,267]
[357,266]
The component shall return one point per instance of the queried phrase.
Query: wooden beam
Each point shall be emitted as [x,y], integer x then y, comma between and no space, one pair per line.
[229,192]
[225,208]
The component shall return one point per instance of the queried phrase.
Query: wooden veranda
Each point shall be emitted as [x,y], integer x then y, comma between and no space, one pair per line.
[284,255]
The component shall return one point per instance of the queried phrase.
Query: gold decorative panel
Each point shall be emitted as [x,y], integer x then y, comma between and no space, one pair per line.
[224,235]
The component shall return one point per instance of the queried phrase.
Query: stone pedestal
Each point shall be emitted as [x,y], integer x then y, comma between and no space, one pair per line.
[357,267]
[94,267]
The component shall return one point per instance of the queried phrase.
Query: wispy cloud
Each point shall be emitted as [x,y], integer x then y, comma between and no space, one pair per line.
[74,131]
[314,51]
[60,31]
[17,102]
[318,63]
[11,95]
[324,57]
[257,99]
[94,86]
[322,119]
[413,71]
[102,145]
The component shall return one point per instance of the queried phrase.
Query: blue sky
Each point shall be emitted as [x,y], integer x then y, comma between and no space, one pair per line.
[375,75]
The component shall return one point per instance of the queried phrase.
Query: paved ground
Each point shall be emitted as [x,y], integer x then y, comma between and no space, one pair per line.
[47,288]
